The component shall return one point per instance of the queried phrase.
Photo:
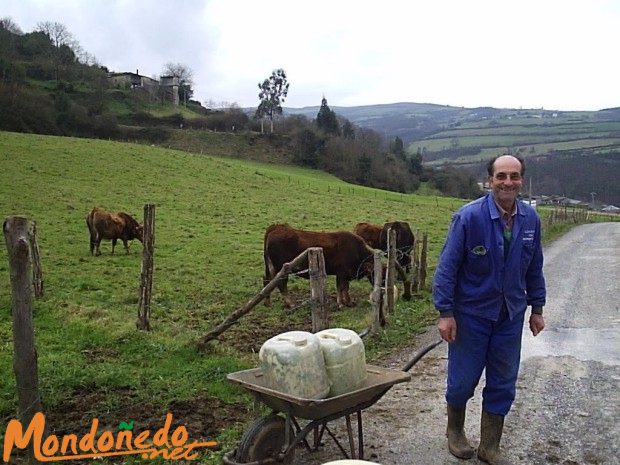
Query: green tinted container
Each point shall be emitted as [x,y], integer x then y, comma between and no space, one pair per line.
[293,363]
[345,359]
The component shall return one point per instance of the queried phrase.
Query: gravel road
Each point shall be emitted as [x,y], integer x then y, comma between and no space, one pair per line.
[567,409]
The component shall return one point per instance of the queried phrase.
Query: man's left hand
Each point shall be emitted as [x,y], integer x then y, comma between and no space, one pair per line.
[537,323]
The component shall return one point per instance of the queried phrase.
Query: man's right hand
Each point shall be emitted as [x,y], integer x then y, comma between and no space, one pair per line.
[447,329]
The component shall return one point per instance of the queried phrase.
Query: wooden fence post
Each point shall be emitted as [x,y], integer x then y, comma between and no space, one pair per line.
[16,235]
[146,276]
[423,254]
[318,289]
[37,272]
[378,319]
[391,271]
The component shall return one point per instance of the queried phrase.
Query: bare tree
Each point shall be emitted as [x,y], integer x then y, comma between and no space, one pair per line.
[64,44]
[10,25]
[58,34]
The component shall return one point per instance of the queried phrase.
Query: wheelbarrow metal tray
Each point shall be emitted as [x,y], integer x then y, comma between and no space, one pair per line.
[378,381]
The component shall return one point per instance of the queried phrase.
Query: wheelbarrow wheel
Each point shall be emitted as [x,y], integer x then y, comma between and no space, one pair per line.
[264,439]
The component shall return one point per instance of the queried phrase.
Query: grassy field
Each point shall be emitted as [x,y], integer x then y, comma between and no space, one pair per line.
[534,136]
[211,214]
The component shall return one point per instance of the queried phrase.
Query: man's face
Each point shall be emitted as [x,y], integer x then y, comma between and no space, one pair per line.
[506,180]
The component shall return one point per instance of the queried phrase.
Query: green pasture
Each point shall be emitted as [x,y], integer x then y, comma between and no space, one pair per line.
[211,214]
[541,142]
[536,149]
[600,129]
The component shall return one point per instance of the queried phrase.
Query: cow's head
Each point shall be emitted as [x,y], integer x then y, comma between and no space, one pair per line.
[138,232]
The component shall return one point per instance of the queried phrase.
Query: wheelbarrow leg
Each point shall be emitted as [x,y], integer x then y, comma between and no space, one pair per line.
[317,437]
[287,431]
[360,435]
[351,445]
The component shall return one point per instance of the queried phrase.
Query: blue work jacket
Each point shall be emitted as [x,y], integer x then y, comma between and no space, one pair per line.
[473,276]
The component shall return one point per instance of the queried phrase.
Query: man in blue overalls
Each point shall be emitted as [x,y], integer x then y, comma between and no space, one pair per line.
[489,271]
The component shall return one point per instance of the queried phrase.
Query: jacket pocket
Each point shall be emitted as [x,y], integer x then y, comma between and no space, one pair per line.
[478,264]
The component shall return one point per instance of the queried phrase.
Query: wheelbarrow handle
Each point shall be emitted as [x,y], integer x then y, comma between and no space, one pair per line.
[421,353]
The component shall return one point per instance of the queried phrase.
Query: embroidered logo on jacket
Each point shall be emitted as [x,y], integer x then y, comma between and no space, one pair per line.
[479,250]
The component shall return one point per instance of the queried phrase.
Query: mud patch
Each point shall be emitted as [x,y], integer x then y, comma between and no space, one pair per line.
[204,417]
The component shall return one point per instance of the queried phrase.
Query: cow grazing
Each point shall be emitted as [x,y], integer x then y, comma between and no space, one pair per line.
[105,225]
[346,255]
[377,237]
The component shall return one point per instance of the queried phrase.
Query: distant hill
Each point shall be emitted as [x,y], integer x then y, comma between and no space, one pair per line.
[414,121]
[557,143]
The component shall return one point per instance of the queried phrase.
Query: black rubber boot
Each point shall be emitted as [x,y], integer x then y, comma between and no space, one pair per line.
[458,445]
[491,427]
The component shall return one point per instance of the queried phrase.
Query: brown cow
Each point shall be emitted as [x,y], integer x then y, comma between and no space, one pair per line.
[371,233]
[346,256]
[105,225]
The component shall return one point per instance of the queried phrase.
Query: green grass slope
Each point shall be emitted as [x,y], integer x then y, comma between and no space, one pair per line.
[528,135]
[211,214]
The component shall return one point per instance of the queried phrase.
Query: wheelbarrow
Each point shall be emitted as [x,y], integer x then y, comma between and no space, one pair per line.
[274,438]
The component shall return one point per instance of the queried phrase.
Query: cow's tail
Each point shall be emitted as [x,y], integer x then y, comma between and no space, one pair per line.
[90,222]
[269,268]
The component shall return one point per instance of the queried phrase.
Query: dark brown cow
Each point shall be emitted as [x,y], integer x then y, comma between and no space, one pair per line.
[376,237]
[346,256]
[105,225]
[405,241]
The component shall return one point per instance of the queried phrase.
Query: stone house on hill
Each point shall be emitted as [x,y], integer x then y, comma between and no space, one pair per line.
[164,90]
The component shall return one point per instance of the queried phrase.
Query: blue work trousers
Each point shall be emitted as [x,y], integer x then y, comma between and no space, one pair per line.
[485,344]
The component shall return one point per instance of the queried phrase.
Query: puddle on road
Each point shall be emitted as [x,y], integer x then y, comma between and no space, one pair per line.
[601,345]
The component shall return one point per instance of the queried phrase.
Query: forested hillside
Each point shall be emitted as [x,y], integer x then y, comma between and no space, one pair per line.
[570,154]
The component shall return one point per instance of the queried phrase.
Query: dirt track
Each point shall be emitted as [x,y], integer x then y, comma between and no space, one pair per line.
[567,409]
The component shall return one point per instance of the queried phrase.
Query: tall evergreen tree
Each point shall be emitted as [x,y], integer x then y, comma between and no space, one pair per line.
[326,119]
[398,148]
[348,132]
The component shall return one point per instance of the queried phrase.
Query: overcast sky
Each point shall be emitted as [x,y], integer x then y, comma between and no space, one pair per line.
[556,54]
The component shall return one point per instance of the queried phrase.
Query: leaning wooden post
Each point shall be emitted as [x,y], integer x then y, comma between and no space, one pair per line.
[378,319]
[423,255]
[16,235]
[391,271]
[318,289]
[146,276]
[37,272]
[234,316]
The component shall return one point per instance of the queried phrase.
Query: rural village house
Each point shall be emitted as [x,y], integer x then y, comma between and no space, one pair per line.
[165,90]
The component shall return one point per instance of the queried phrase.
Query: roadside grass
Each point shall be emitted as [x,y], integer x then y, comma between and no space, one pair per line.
[211,214]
